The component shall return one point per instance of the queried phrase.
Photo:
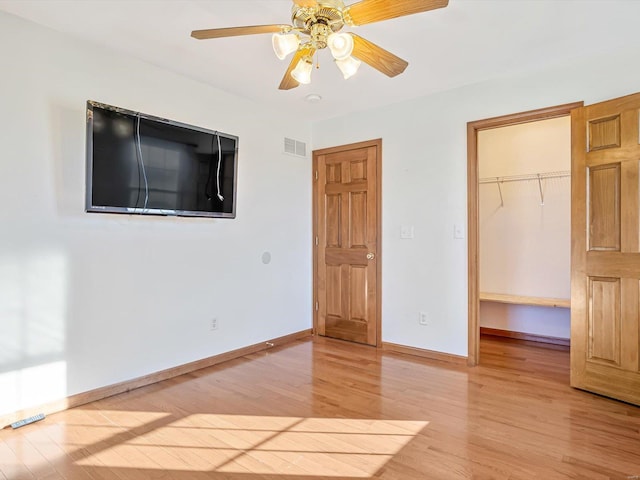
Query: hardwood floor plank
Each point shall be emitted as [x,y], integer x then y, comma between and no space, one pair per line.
[11,465]
[324,409]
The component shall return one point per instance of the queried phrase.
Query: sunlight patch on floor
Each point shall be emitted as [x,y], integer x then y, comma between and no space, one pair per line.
[319,447]
[84,428]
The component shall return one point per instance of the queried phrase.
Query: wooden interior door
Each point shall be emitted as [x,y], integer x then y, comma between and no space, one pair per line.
[605,232]
[347,247]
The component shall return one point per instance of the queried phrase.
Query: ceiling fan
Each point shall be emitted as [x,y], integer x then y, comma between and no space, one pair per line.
[319,22]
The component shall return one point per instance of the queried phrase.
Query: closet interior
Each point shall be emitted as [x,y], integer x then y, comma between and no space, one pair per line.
[525,230]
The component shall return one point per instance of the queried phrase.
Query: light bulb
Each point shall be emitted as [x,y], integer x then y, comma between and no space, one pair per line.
[302,72]
[284,44]
[341,45]
[348,66]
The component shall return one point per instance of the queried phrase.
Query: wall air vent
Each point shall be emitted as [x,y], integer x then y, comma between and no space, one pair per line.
[295,147]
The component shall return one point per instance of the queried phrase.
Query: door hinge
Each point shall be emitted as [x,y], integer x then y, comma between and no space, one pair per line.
[316,240]
[317,306]
[316,175]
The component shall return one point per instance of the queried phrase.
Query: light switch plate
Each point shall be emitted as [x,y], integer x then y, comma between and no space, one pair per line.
[406,231]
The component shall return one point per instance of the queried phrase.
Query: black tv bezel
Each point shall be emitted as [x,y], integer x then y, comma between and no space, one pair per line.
[90,208]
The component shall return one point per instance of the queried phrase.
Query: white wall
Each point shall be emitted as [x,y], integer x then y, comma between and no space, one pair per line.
[424,184]
[87,300]
[525,246]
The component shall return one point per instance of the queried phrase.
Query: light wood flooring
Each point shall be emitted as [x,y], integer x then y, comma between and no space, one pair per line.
[325,409]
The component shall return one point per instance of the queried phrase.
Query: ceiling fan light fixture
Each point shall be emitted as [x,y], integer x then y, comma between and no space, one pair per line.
[302,72]
[284,44]
[316,25]
[341,45]
[348,66]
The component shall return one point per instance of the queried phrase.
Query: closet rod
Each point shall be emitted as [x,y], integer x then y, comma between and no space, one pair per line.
[520,178]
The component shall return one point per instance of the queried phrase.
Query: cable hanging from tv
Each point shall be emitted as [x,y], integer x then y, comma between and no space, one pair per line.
[141,160]
[219,194]
[220,197]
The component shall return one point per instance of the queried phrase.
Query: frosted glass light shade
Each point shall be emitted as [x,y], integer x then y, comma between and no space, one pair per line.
[284,44]
[302,72]
[341,45]
[348,66]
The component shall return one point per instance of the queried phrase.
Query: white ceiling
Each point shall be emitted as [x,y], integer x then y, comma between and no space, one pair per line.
[468,42]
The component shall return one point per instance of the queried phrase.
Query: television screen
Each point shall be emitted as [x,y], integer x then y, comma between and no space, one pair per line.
[139,164]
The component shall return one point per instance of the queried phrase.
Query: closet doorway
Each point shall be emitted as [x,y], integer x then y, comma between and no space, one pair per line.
[516,273]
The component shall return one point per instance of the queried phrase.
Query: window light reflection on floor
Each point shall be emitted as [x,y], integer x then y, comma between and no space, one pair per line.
[319,447]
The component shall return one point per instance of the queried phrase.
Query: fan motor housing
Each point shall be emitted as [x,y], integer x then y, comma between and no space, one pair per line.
[319,21]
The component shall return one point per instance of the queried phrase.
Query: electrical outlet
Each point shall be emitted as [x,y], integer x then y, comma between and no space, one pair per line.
[422,319]
[214,324]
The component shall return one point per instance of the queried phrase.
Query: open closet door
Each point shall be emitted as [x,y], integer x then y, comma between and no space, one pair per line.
[605,231]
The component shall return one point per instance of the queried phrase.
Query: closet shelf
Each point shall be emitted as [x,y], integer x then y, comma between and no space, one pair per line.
[524,300]
[521,178]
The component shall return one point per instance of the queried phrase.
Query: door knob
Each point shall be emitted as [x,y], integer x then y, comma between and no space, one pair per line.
[371,256]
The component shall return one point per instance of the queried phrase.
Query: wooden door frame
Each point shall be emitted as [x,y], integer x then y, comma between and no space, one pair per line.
[341,148]
[473,229]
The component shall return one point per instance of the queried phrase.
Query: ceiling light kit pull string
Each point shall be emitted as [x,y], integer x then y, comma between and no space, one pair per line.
[319,22]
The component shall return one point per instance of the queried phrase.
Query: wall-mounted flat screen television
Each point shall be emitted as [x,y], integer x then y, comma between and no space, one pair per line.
[140,164]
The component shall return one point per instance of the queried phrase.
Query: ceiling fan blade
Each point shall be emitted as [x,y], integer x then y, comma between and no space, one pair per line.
[379,58]
[237,31]
[369,11]
[288,82]
[305,3]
